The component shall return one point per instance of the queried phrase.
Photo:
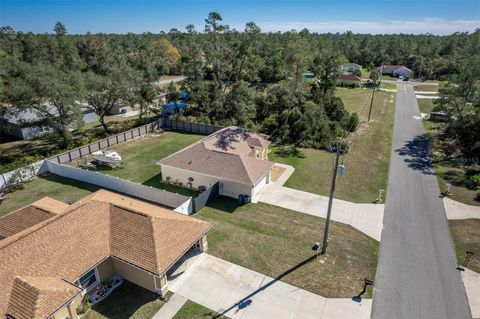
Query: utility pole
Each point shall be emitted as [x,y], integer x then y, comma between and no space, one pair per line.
[330,202]
[371,102]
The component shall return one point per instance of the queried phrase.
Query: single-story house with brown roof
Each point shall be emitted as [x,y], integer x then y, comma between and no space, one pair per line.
[349,78]
[234,157]
[47,267]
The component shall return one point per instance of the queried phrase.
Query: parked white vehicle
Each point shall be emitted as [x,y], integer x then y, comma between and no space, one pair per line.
[107,156]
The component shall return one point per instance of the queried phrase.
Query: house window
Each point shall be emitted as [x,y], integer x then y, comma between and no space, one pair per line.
[89,279]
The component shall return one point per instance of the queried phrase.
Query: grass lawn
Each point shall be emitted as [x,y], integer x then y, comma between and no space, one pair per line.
[275,241]
[388,86]
[140,156]
[367,162]
[466,236]
[426,88]
[192,310]
[425,105]
[449,166]
[127,301]
[60,188]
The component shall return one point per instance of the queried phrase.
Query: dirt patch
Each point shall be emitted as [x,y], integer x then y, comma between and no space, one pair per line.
[277,171]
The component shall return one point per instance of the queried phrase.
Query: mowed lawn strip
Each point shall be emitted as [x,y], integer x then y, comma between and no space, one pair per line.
[139,158]
[128,301]
[425,105]
[272,240]
[54,186]
[192,310]
[366,163]
[466,237]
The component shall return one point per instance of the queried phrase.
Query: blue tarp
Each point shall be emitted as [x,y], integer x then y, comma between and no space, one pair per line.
[184,95]
[172,107]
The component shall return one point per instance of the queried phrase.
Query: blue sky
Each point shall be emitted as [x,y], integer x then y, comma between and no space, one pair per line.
[366,16]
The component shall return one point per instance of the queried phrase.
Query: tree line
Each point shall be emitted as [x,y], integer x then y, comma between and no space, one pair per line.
[234,77]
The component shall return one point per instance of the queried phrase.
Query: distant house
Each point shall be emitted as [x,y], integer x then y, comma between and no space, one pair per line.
[349,79]
[350,67]
[56,253]
[25,124]
[395,70]
[233,157]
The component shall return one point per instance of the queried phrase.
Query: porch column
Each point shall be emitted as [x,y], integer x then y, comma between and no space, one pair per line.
[161,284]
[203,244]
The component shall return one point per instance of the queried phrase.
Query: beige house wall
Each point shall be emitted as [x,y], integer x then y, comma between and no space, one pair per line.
[133,274]
[227,188]
[105,270]
[70,310]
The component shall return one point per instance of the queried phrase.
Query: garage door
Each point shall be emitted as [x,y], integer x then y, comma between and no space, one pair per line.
[259,186]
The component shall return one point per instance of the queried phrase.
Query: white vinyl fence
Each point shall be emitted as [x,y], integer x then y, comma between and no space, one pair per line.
[181,203]
[22,174]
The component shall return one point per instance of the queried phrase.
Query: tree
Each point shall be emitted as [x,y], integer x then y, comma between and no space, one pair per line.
[104,92]
[164,49]
[60,29]
[51,93]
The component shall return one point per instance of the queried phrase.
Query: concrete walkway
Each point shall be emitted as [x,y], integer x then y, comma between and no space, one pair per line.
[239,292]
[457,210]
[367,218]
[471,282]
[169,309]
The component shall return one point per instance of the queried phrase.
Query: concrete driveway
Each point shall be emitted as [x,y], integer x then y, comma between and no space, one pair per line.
[367,218]
[238,292]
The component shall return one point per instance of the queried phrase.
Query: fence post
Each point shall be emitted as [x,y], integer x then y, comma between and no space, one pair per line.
[108,142]
[116,138]
[89,149]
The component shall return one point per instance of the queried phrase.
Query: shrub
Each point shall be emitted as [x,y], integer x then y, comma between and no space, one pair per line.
[477,196]
[84,306]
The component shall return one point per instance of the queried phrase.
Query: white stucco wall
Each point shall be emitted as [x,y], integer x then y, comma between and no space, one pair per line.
[227,188]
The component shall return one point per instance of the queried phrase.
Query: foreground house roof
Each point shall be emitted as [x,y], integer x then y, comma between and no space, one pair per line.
[102,225]
[30,215]
[225,155]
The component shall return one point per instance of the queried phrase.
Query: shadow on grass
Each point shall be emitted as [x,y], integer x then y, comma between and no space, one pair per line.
[124,302]
[247,301]
[70,182]
[288,151]
[225,204]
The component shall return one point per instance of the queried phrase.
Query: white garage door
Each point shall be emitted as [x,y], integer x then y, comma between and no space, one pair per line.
[259,186]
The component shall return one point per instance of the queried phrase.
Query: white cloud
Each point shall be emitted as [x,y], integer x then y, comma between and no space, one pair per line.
[434,26]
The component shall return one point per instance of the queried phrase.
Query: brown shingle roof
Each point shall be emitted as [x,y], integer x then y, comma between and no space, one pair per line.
[39,297]
[348,77]
[101,225]
[225,155]
[30,215]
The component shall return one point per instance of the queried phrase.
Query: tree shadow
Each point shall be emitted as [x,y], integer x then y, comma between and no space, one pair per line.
[229,136]
[247,301]
[288,151]
[415,153]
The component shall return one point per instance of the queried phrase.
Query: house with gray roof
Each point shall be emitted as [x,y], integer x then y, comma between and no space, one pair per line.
[350,67]
[395,70]
[235,158]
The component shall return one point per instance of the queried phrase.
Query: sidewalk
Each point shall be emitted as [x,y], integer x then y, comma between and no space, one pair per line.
[238,292]
[471,281]
[457,210]
[367,218]
[169,309]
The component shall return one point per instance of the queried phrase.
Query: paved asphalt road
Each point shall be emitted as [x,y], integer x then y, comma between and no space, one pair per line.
[417,276]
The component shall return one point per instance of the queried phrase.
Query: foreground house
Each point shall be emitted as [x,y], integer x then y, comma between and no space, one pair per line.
[47,267]
[350,67]
[233,157]
[395,70]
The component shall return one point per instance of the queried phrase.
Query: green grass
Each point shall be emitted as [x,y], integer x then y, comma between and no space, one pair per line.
[425,105]
[448,164]
[60,188]
[427,88]
[192,310]
[274,240]
[466,237]
[140,156]
[367,162]
[388,86]
[127,301]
